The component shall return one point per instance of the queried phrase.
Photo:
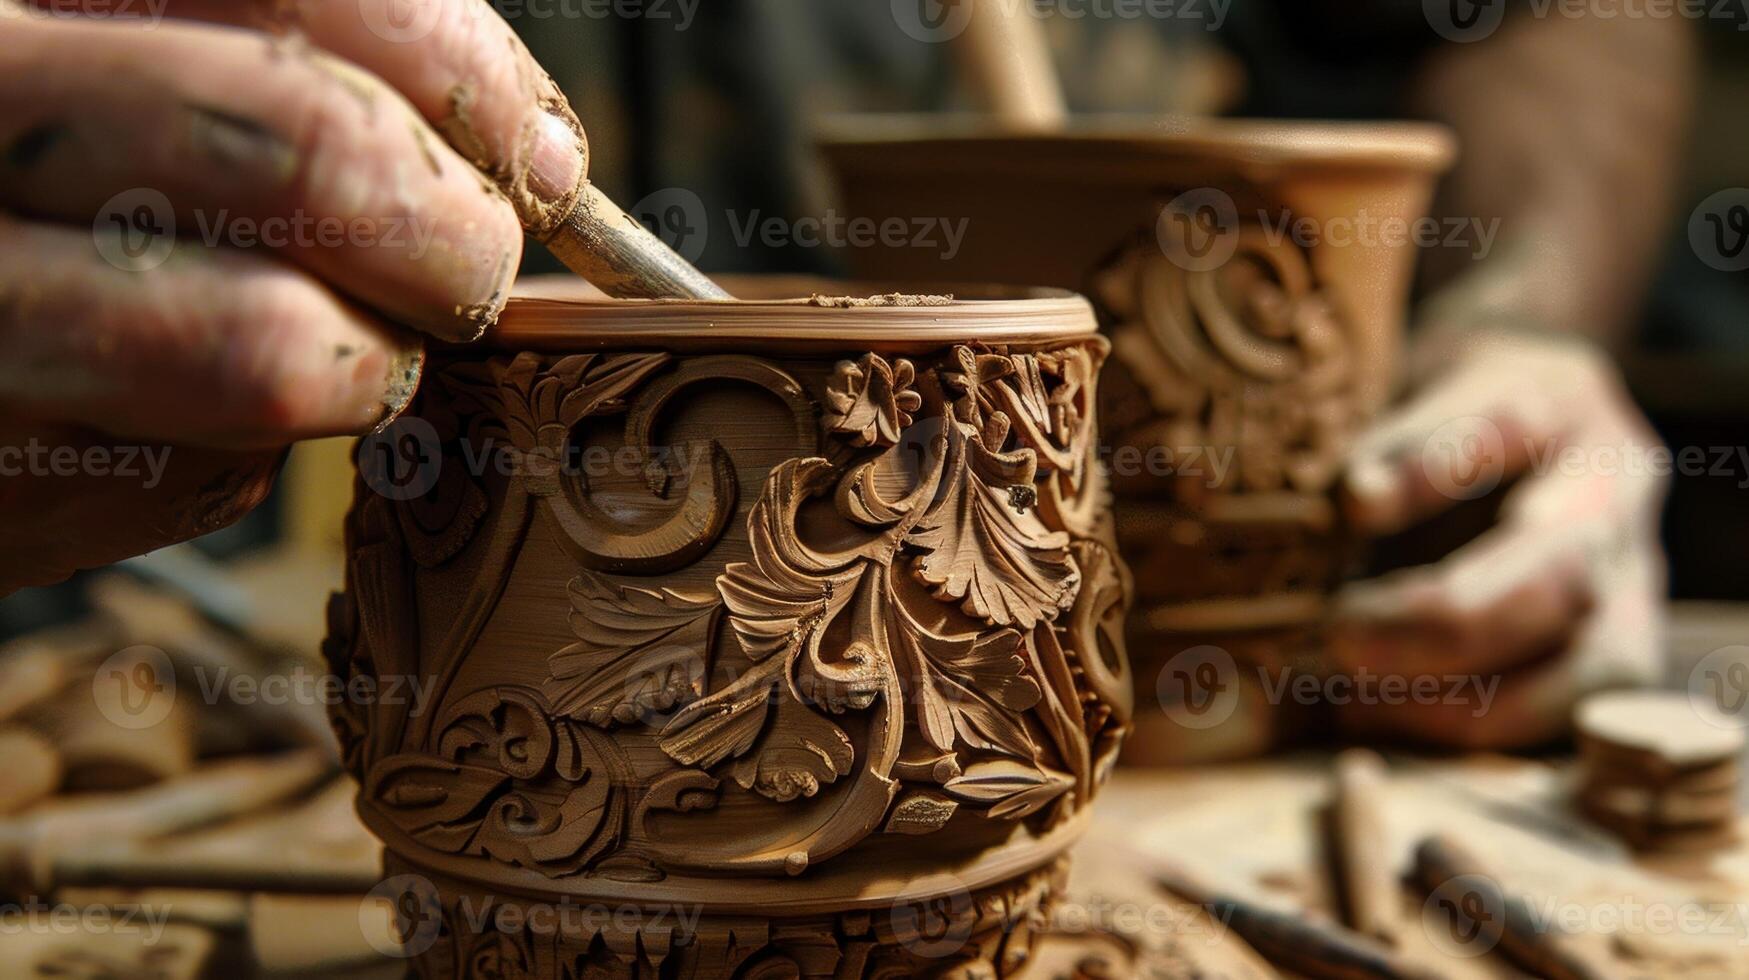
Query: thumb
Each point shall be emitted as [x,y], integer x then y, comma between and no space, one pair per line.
[1454,443]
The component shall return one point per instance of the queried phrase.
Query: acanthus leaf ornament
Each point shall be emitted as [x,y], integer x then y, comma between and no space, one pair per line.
[979,547]
[1011,789]
[639,652]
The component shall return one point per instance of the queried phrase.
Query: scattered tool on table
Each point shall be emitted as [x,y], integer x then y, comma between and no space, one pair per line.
[1371,897]
[1293,942]
[1466,890]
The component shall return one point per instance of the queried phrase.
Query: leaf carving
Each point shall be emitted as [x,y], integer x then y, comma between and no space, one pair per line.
[638,652]
[920,812]
[971,686]
[999,558]
[781,603]
[1010,788]
[792,757]
[427,792]
[800,752]
[723,725]
[513,785]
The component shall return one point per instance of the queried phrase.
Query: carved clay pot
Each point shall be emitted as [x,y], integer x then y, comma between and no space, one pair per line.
[1253,280]
[776,638]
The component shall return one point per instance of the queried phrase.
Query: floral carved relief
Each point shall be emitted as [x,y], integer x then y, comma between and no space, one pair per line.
[910,623]
[1245,375]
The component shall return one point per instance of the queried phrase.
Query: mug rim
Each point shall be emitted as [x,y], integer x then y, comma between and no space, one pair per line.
[789,313]
[1148,138]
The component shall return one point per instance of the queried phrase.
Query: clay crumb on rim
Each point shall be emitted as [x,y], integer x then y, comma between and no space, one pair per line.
[885,299]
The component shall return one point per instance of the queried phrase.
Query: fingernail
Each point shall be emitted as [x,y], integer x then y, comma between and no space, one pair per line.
[557,164]
[1371,481]
[384,376]
[405,370]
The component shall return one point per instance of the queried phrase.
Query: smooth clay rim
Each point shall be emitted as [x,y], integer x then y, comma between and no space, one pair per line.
[786,314]
[1115,142]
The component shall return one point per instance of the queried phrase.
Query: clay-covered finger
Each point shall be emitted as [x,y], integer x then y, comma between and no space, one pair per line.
[1430,458]
[1504,598]
[1487,712]
[233,139]
[85,500]
[463,67]
[206,346]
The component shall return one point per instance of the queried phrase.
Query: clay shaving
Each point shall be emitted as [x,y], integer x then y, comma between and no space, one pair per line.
[885,299]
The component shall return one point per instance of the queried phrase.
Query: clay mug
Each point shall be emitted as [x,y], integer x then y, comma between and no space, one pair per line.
[766,637]
[1253,279]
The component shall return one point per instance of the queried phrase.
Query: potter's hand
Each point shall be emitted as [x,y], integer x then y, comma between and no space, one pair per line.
[213,230]
[1561,595]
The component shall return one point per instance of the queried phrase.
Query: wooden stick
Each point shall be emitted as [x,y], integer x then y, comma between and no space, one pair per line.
[1296,944]
[618,254]
[98,753]
[1009,61]
[1541,951]
[318,935]
[1371,900]
[65,841]
[33,768]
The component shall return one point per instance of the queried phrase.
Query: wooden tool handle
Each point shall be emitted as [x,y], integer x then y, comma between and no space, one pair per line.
[1543,952]
[1009,60]
[1294,943]
[614,251]
[1371,897]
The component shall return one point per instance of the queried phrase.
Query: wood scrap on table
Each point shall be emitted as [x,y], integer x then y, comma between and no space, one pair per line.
[80,839]
[154,793]
[32,770]
[1254,828]
[1659,770]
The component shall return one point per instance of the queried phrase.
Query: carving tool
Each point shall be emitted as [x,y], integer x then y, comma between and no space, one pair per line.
[1542,951]
[1008,59]
[1322,951]
[79,839]
[611,249]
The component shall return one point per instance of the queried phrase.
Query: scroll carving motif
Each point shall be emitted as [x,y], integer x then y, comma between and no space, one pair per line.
[1246,374]
[1250,355]
[912,626]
